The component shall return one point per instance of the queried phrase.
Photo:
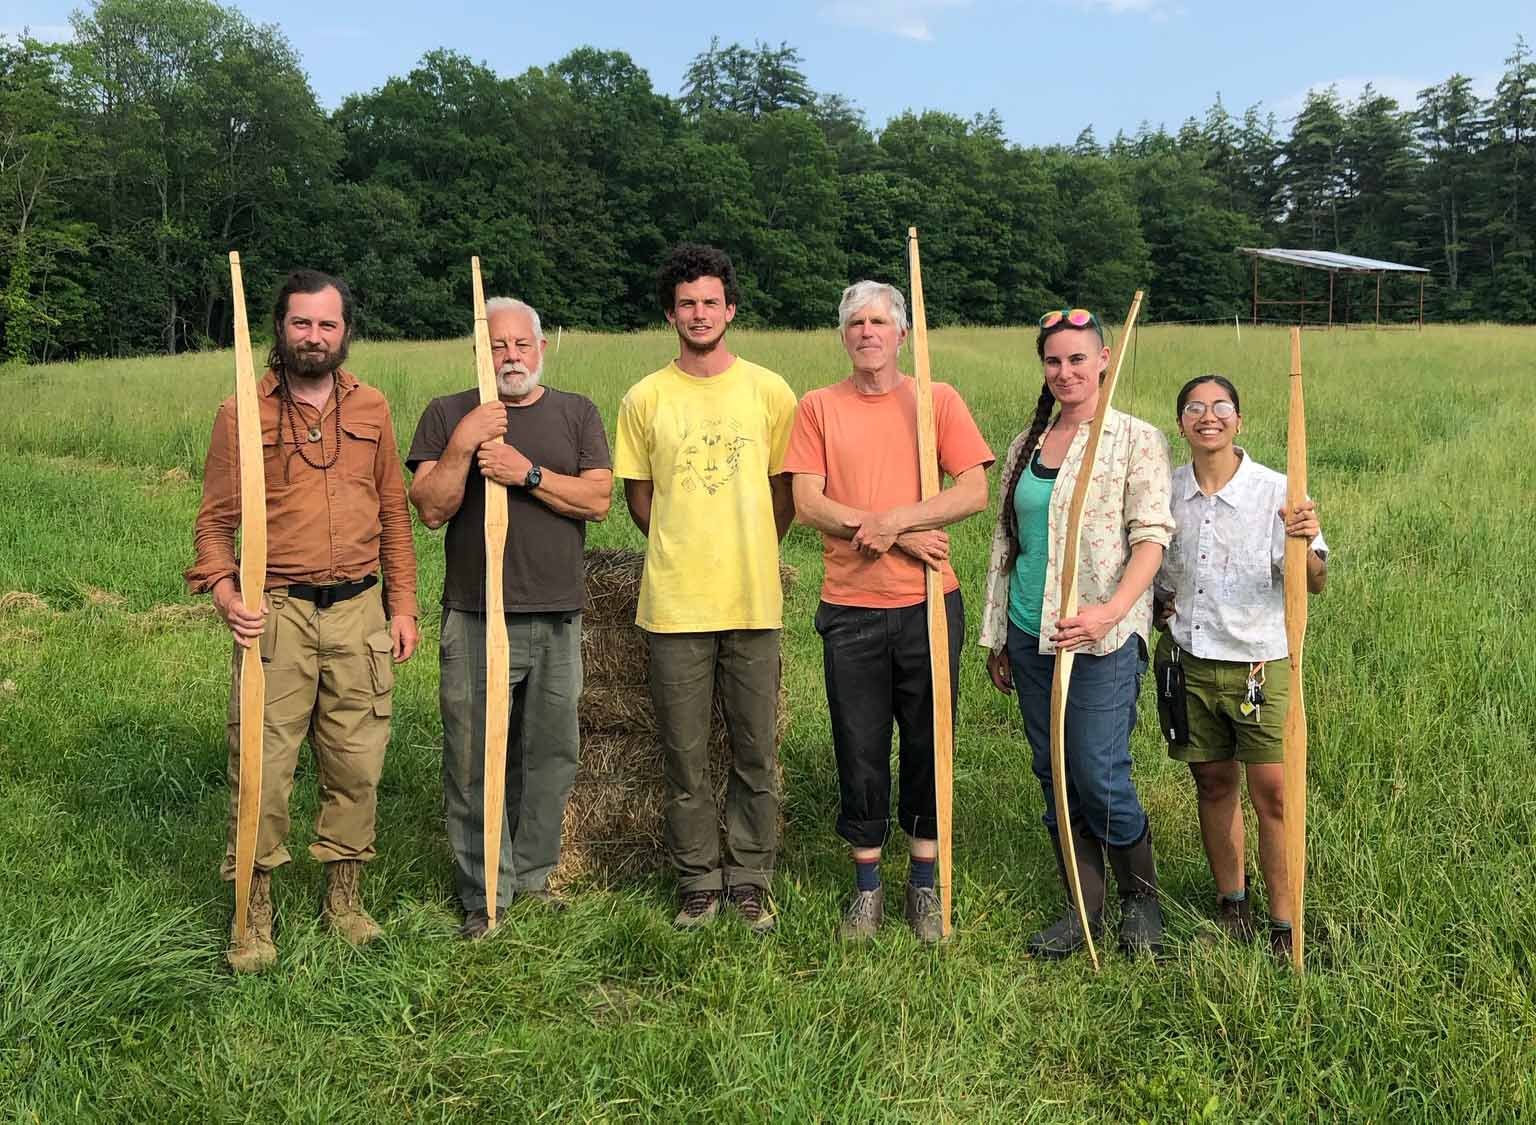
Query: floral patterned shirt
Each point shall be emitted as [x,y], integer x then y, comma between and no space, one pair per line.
[1127,504]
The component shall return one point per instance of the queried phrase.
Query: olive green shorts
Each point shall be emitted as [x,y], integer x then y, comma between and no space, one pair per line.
[1218,729]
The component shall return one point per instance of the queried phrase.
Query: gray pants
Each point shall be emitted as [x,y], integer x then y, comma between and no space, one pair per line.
[685,670]
[543,745]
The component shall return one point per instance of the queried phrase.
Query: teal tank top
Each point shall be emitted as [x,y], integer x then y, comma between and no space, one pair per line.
[1032,508]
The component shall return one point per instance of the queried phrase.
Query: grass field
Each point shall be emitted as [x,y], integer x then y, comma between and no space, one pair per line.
[1421,1000]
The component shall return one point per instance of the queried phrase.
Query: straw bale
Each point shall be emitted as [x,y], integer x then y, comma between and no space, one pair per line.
[614,820]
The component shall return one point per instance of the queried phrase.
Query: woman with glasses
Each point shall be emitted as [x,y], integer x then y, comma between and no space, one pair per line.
[1126,525]
[1220,600]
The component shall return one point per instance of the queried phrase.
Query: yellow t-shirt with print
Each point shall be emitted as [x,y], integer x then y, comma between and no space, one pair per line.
[708,447]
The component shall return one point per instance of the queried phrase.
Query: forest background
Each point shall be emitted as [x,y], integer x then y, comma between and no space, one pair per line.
[167,132]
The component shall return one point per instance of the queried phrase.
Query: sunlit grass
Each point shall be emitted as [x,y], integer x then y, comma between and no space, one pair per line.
[1421,672]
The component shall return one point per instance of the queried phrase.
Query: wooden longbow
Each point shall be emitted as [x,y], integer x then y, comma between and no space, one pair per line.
[1061,680]
[253,580]
[938,621]
[1295,730]
[497,659]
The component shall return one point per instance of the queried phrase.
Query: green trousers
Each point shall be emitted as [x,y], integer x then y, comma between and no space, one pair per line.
[543,745]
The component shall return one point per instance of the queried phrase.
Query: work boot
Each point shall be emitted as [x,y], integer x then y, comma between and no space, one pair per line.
[1280,938]
[863,916]
[697,908]
[925,914]
[752,904]
[258,952]
[1234,921]
[1141,917]
[1066,936]
[475,926]
[343,910]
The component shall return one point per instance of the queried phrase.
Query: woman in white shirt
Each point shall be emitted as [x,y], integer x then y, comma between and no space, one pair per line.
[1220,598]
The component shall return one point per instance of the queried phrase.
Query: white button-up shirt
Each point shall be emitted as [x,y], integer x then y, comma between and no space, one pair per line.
[1224,569]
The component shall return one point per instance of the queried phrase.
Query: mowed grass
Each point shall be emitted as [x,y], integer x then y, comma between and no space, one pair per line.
[1421,666]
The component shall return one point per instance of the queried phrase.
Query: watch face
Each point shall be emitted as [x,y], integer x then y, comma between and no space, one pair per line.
[535,475]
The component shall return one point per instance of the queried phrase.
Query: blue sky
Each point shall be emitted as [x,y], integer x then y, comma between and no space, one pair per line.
[1049,67]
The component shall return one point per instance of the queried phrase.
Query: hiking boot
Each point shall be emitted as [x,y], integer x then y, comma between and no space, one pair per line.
[1280,938]
[753,905]
[1141,916]
[1065,937]
[925,914]
[1234,922]
[546,898]
[698,907]
[863,916]
[343,911]
[475,926]
[258,952]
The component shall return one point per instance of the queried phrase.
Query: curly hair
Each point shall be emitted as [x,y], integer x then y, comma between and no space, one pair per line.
[690,261]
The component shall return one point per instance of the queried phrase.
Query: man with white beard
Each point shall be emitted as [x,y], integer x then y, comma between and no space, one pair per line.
[549,448]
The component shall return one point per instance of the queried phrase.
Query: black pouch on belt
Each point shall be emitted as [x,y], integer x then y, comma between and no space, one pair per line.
[1172,700]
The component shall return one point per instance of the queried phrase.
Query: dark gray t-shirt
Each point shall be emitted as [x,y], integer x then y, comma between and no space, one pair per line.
[544,571]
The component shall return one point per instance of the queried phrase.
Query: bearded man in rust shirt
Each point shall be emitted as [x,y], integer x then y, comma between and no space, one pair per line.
[328,634]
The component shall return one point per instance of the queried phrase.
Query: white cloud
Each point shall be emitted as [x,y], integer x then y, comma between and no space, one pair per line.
[1157,10]
[1401,89]
[910,19]
[45,32]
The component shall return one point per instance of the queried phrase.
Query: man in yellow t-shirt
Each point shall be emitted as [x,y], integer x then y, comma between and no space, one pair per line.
[700,448]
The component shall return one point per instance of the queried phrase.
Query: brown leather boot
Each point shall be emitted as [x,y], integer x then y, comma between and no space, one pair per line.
[258,952]
[343,911]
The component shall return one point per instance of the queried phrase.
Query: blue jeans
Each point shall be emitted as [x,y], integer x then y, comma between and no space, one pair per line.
[1101,712]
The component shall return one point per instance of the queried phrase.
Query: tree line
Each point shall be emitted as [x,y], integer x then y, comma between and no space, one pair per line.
[167,132]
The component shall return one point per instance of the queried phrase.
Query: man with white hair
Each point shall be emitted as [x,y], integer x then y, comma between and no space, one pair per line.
[857,480]
[549,448]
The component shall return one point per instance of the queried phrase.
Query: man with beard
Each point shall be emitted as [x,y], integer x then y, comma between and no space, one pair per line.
[549,448]
[700,446]
[336,515]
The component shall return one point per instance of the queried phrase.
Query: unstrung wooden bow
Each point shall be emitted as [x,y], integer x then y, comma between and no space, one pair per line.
[497,657]
[253,580]
[1295,730]
[938,622]
[1061,680]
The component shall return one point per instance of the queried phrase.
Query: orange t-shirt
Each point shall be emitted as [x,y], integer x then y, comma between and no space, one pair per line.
[866,448]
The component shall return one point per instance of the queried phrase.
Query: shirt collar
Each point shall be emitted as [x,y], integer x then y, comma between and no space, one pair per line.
[344,379]
[1233,492]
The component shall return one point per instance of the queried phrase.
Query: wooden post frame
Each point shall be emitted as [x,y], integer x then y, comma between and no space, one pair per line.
[497,658]
[1295,729]
[1061,680]
[253,581]
[938,621]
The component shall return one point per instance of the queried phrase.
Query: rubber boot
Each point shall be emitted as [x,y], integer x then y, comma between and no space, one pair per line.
[258,951]
[1066,936]
[343,911]
[1141,916]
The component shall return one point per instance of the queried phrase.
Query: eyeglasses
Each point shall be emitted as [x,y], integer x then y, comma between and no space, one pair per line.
[1077,318]
[1221,408]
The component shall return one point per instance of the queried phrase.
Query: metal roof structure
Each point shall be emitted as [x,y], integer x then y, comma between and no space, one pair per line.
[1334,264]
[1328,260]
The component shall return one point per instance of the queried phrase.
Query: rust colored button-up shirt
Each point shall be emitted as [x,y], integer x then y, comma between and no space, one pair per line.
[323,525]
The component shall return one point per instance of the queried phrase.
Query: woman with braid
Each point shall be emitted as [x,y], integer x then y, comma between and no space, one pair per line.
[1126,526]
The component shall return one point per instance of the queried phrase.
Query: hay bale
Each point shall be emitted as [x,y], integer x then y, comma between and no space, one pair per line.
[614,819]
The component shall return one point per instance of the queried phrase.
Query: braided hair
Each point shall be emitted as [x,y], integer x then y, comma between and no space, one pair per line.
[1037,428]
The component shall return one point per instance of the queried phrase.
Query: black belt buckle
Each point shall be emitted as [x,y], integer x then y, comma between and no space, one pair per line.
[325,596]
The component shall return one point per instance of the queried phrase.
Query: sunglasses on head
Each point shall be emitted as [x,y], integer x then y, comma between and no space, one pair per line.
[1077,318]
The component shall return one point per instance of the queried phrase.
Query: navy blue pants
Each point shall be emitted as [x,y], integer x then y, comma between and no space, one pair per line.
[1101,712]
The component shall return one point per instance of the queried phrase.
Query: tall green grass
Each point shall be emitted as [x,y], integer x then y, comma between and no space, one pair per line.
[1420,1003]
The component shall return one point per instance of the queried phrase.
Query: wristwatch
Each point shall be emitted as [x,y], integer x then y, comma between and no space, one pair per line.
[535,475]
